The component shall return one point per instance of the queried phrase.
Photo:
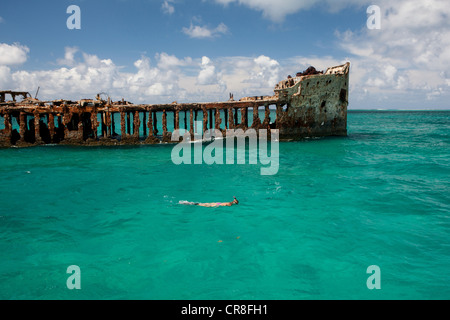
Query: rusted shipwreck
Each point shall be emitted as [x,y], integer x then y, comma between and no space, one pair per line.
[311,104]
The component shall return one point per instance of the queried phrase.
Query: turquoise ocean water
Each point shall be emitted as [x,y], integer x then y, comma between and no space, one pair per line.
[336,206]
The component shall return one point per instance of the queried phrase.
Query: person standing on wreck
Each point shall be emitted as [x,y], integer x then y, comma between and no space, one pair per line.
[212,204]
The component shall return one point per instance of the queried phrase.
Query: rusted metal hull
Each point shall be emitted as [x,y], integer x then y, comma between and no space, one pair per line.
[307,106]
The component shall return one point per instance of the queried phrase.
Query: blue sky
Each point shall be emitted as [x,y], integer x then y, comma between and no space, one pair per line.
[156,51]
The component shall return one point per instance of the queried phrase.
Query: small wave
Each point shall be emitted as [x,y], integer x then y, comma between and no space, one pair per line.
[186,202]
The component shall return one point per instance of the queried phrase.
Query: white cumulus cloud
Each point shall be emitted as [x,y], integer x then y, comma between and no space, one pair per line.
[14,54]
[278,10]
[69,56]
[205,32]
[268,71]
[408,57]
[167,7]
[207,74]
[82,75]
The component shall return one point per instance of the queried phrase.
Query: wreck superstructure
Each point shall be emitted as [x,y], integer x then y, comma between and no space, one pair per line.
[308,105]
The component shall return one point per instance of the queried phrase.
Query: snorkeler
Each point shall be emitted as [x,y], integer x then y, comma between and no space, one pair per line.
[212,204]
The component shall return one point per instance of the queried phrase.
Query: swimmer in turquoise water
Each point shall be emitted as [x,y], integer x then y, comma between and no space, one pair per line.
[211,204]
